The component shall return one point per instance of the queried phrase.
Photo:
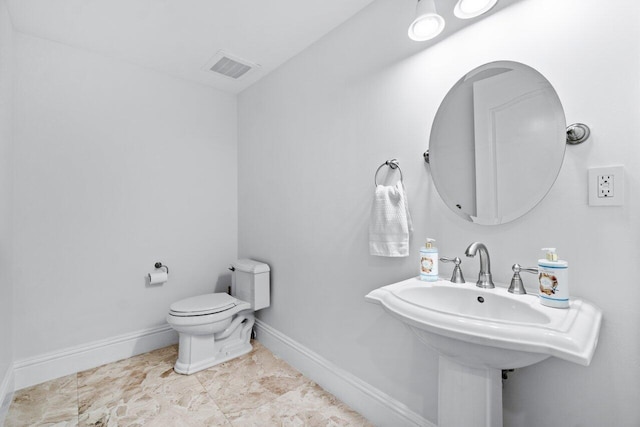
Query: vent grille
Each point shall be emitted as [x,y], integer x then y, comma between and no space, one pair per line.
[230,68]
[230,65]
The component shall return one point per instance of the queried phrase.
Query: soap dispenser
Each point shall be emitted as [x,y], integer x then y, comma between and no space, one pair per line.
[553,275]
[429,261]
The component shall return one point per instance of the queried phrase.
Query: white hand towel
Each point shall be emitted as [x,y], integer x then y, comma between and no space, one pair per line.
[390,222]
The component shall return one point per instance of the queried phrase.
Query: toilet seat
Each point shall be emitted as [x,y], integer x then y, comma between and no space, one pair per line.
[203,305]
[208,311]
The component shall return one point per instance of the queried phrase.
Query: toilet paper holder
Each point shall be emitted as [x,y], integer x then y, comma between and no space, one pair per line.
[159,265]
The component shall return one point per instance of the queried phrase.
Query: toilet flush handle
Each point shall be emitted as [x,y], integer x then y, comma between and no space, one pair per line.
[232,268]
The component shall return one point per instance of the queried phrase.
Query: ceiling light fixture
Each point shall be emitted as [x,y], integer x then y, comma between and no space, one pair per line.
[428,24]
[467,9]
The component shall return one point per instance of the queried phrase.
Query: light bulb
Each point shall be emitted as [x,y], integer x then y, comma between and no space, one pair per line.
[426,27]
[467,9]
[428,24]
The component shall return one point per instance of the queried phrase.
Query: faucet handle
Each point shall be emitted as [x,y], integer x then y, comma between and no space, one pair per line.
[457,276]
[516,286]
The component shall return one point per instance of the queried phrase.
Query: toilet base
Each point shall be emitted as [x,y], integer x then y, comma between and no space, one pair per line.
[192,368]
[199,352]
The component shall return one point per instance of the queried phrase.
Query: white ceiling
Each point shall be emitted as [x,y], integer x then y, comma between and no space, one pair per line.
[180,37]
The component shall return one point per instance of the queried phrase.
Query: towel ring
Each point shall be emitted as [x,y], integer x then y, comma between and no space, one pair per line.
[393,164]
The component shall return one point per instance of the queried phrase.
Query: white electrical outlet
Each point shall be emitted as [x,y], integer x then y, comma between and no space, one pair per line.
[606,186]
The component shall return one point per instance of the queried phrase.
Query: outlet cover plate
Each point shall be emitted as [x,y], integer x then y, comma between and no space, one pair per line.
[596,180]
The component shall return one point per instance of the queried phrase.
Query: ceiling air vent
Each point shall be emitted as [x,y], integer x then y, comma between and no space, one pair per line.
[230,66]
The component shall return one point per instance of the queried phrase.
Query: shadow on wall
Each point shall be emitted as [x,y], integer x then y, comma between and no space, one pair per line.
[223,284]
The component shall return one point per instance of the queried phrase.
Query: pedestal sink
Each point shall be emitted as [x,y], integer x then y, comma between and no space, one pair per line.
[479,332]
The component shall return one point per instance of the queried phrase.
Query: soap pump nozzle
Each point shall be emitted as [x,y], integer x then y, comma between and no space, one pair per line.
[430,243]
[551,254]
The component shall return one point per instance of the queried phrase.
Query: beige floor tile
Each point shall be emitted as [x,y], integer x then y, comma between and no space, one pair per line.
[256,389]
[144,390]
[54,403]
[250,380]
[308,406]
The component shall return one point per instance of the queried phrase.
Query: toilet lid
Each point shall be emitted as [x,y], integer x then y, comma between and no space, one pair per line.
[203,304]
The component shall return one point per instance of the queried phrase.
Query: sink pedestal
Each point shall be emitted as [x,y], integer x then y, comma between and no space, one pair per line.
[470,397]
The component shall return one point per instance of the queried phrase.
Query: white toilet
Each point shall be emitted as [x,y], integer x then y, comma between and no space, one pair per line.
[214,328]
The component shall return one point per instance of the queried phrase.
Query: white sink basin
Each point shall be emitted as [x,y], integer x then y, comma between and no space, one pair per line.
[464,300]
[491,327]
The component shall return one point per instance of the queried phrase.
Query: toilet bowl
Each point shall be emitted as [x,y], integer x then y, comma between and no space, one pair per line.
[214,328]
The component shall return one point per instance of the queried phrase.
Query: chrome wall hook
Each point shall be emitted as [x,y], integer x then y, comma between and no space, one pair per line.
[577,133]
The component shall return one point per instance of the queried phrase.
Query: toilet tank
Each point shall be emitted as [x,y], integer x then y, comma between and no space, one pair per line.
[250,283]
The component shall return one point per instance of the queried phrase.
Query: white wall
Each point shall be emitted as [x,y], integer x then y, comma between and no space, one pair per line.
[312,134]
[6,136]
[116,167]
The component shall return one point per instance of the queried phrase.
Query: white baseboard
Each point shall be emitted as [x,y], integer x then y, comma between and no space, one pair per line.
[378,407]
[36,370]
[6,393]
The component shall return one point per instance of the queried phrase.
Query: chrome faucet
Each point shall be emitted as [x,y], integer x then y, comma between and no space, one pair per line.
[516,286]
[484,276]
[457,276]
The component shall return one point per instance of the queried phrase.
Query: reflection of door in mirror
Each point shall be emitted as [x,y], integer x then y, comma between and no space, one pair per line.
[497,142]
[509,117]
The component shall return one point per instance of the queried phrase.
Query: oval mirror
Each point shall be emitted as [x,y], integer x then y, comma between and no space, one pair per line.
[497,142]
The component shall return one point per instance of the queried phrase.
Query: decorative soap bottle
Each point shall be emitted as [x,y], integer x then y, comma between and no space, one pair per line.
[553,275]
[429,262]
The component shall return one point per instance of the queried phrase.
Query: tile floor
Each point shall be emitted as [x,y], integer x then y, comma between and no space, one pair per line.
[257,389]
